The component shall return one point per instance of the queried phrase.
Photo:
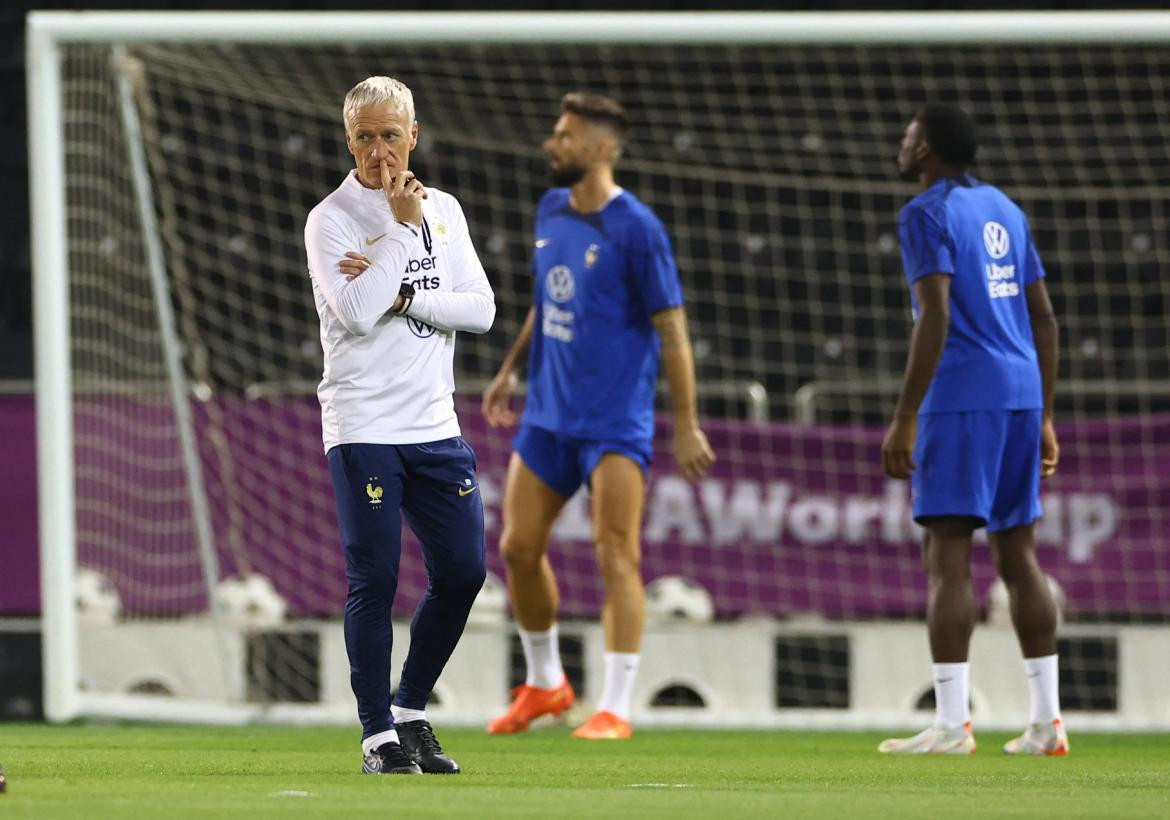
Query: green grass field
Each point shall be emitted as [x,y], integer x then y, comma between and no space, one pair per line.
[99,771]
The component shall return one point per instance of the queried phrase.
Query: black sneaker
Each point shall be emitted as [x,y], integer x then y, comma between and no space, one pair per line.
[389,759]
[418,741]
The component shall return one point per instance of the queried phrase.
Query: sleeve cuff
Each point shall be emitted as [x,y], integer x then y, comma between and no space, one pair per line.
[408,304]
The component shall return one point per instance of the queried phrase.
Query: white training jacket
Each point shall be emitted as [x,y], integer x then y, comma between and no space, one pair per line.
[389,379]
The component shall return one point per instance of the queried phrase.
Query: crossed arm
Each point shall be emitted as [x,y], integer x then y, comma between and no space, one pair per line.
[365,288]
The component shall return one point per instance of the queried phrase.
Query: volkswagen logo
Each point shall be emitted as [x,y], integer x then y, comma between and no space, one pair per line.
[420,329]
[559,283]
[996,240]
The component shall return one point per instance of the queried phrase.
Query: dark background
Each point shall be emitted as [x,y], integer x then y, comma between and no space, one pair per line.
[15,275]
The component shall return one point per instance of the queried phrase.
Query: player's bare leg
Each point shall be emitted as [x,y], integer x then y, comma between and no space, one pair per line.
[618,488]
[1029,598]
[950,608]
[1034,618]
[529,511]
[950,616]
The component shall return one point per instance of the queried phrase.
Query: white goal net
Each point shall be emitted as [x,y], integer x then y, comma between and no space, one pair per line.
[191,349]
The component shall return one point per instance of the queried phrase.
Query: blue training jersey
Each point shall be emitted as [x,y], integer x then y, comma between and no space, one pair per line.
[974,233]
[593,362]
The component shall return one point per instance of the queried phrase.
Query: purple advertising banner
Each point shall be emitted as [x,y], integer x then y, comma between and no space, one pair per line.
[19,593]
[791,519]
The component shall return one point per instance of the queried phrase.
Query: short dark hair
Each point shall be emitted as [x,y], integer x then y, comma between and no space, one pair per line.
[950,133]
[599,109]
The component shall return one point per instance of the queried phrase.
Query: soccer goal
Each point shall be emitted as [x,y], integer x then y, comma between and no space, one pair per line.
[189,556]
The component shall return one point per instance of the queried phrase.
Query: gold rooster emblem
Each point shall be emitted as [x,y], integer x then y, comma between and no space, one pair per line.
[375,494]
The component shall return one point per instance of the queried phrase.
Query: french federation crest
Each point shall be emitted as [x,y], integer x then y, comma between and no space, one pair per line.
[375,492]
[591,255]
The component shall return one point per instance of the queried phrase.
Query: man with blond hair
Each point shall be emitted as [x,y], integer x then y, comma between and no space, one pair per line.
[395,277]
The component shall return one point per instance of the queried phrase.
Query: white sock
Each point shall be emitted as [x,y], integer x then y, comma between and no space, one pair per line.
[1044,683]
[402,715]
[542,651]
[951,694]
[620,670]
[374,741]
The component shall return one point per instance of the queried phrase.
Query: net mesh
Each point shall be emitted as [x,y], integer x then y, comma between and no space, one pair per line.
[772,169]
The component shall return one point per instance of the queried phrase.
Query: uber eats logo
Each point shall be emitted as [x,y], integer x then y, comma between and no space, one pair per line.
[413,267]
[416,266]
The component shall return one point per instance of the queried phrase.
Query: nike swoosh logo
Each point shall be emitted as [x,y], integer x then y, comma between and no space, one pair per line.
[468,491]
[1033,674]
[944,680]
[374,240]
[540,243]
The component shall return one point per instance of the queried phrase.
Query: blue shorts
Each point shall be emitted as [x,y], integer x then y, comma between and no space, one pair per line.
[565,463]
[982,463]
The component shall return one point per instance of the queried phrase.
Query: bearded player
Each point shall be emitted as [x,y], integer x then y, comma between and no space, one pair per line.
[607,313]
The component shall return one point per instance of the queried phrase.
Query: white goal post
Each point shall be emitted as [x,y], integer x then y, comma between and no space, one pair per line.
[50,34]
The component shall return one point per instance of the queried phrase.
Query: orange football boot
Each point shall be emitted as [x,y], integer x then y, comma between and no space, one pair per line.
[529,703]
[604,726]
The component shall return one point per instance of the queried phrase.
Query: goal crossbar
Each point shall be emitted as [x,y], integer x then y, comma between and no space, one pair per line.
[803,28]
